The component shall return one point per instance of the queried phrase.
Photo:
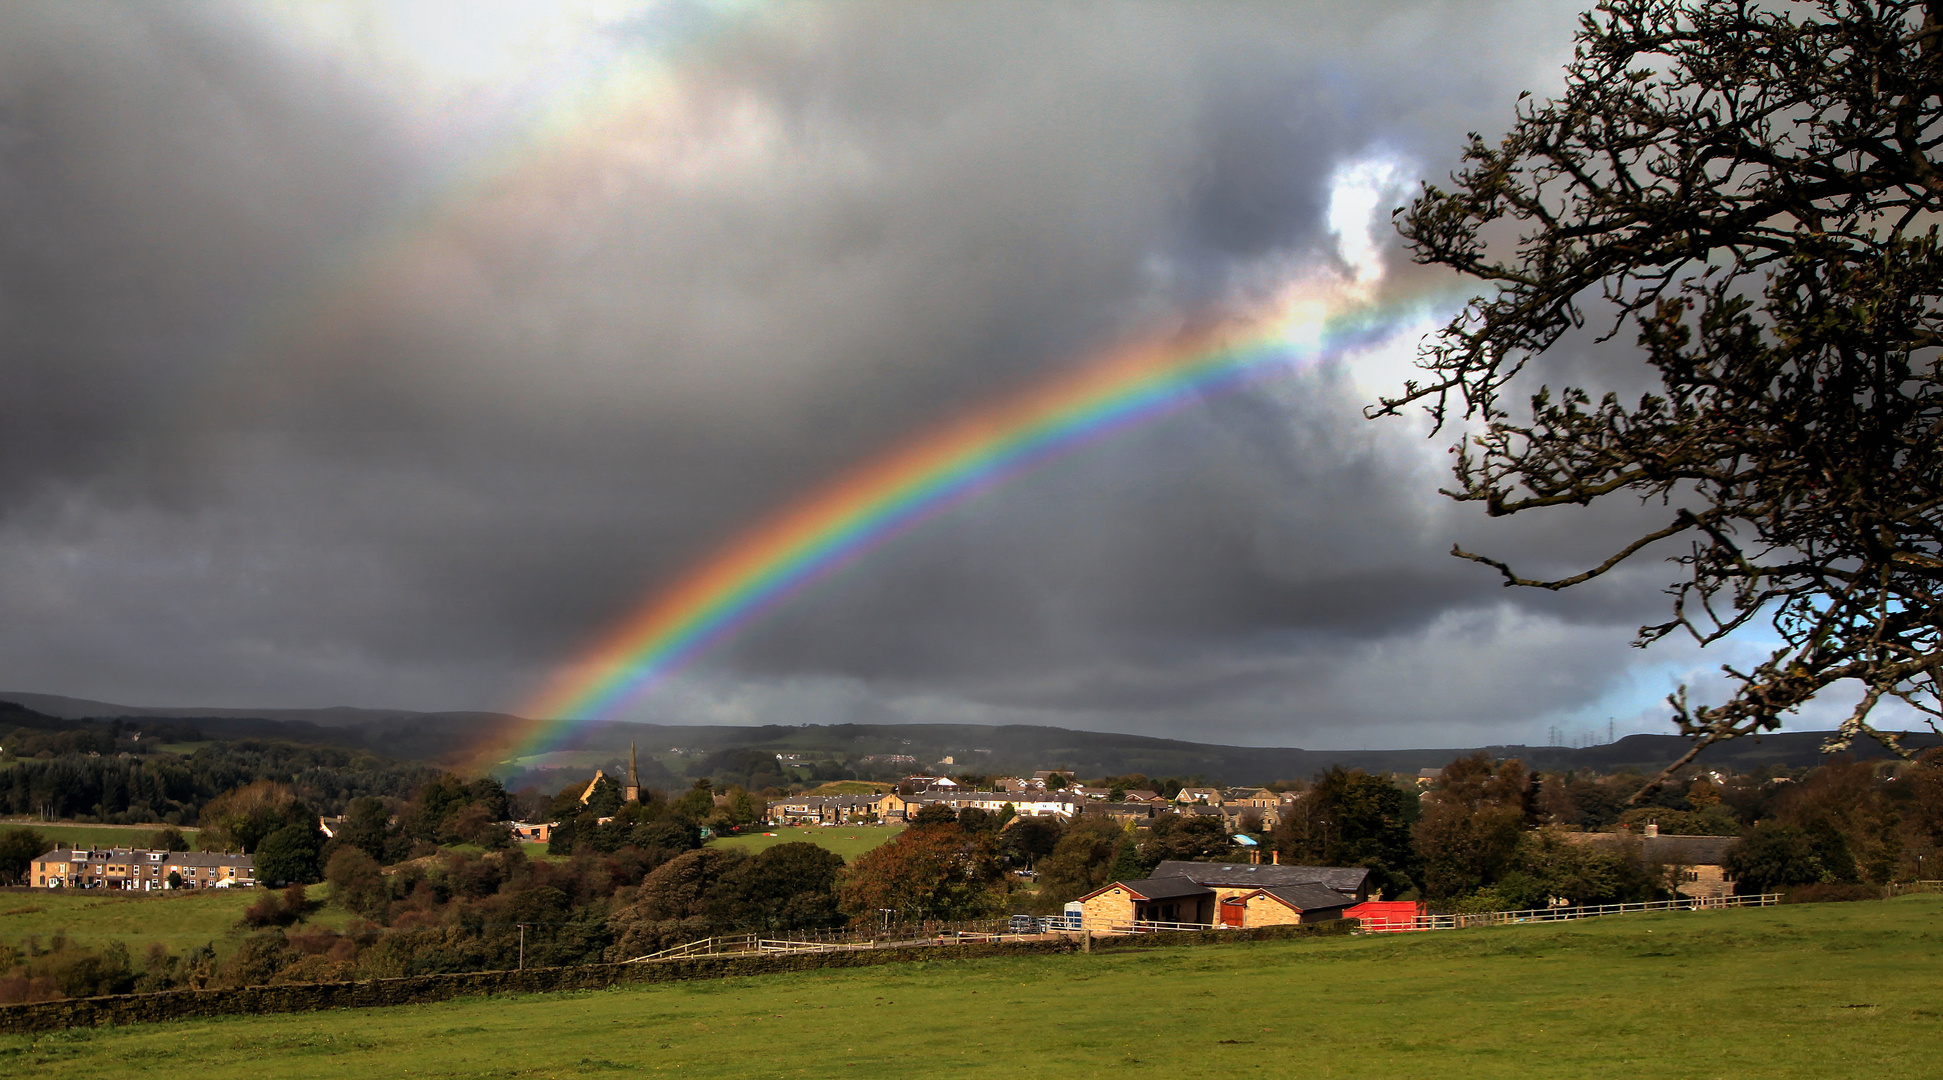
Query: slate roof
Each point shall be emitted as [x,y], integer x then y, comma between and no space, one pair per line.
[1343,879]
[1165,888]
[129,855]
[1691,850]
[1310,897]
[1666,847]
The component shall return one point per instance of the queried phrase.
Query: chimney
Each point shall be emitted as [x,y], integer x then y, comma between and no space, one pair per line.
[1652,828]
[1275,857]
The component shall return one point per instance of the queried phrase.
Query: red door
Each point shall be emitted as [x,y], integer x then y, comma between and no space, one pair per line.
[1233,912]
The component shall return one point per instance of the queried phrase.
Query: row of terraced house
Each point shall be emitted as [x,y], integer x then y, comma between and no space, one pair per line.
[140,869]
[1254,808]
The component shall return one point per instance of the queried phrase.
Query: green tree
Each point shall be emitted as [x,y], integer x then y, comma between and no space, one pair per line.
[932,815]
[18,848]
[1193,837]
[367,827]
[1129,864]
[1753,194]
[788,887]
[1578,873]
[1774,856]
[697,803]
[738,809]
[672,831]
[357,883]
[290,855]
[1028,839]
[605,799]
[1350,818]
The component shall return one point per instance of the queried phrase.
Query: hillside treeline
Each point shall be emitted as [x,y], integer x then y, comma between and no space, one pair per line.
[1496,836]
[126,788]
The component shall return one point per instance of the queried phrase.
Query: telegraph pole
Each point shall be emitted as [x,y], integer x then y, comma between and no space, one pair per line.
[522,946]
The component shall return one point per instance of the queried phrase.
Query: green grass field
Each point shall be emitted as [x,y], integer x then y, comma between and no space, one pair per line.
[100,835]
[1835,990]
[181,920]
[848,841]
[849,787]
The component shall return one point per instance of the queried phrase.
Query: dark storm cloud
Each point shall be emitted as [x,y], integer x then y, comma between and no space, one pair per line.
[265,445]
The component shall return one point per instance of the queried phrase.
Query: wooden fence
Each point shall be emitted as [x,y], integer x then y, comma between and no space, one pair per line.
[1563,914]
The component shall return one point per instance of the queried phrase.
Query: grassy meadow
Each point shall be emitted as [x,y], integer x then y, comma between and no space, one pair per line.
[96,835]
[1832,990]
[848,841]
[180,919]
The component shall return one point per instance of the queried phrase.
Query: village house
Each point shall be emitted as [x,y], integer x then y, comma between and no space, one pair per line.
[532,832]
[1206,795]
[1695,866]
[1023,804]
[1143,795]
[829,809]
[1227,895]
[139,869]
[1126,813]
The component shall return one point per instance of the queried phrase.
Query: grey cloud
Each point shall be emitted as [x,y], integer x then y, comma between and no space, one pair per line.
[256,456]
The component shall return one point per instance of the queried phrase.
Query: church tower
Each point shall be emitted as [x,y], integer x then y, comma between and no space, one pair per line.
[632,793]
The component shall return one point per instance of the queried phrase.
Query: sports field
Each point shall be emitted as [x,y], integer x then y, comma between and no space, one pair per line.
[848,841]
[1835,990]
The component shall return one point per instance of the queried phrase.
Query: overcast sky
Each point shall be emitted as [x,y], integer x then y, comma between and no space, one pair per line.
[383,355]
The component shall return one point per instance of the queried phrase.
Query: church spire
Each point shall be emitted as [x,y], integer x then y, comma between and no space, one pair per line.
[633,792]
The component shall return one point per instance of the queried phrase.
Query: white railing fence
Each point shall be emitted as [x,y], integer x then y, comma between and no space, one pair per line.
[1562,914]
[995,931]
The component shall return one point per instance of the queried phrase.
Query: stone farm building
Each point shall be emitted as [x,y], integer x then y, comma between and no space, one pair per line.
[1696,866]
[139,869]
[1229,895]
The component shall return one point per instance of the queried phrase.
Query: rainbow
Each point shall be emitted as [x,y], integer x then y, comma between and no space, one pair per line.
[888,496]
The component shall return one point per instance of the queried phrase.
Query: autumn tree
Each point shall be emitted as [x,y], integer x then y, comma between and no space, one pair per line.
[243,817]
[1752,196]
[672,904]
[936,871]
[1471,824]
[1080,860]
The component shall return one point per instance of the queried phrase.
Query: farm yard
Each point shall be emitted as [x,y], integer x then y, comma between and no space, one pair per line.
[1819,990]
